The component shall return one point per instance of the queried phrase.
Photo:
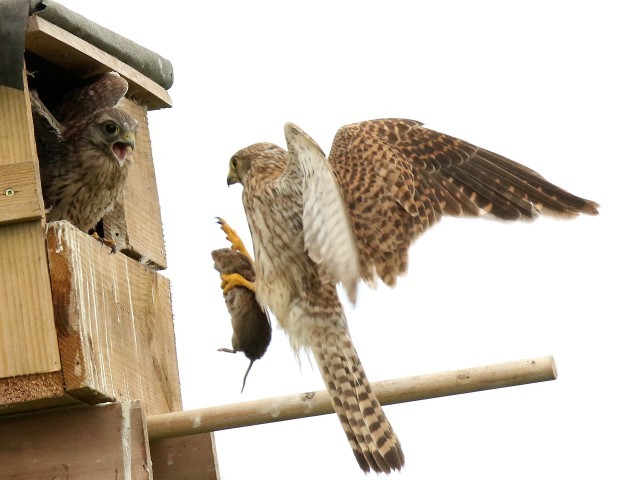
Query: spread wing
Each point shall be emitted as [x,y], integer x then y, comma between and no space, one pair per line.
[105,91]
[48,134]
[398,178]
[328,235]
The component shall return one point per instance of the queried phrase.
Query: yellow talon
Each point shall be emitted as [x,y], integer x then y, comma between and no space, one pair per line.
[105,241]
[234,238]
[232,280]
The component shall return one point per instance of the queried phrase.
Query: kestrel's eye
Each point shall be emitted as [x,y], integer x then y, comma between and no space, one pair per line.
[234,162]
[111,128]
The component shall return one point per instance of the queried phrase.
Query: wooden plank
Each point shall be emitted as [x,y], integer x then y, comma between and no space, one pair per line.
[85,60]
[26,388]
[135,224]
[17,139]
[19,193]
[33,392]
[114,321]
[185,458]
[27,334]
[88,443]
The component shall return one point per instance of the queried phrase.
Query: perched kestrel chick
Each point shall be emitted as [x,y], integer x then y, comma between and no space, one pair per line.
[85,153]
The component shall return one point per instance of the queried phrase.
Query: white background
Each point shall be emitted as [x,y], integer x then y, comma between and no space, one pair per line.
[533,81]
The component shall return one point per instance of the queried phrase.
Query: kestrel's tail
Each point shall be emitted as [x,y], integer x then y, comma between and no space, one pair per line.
[370,435]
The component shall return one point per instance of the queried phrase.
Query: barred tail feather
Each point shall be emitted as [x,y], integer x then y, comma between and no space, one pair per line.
[368,431]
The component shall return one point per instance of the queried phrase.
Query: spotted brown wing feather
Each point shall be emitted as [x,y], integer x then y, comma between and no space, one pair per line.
[387,182]
[84,184]
[50,144]
[105,91]
[315,317]
[251,326]
[399,178]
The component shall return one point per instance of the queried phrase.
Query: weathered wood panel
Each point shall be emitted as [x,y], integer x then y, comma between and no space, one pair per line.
[27,335]
[135,223]
[185,458]
[19,195]
[114,322]
[86,443]
[85,60]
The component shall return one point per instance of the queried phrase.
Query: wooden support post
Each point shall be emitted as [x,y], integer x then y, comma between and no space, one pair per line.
[89,443]
[318,403]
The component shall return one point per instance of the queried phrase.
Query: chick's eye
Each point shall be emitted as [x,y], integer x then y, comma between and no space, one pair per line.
[111,128]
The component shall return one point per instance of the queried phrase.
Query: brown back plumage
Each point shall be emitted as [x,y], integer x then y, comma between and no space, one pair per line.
[418,175]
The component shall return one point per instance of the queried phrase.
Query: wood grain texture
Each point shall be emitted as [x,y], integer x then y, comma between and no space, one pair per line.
[19,193]
[135,223]
[388,392]
[27,335]
[87,443]
[114,322]
[85,60]
[33,392]
[185,458]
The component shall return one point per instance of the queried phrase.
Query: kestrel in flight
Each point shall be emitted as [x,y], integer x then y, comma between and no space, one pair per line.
[316,222]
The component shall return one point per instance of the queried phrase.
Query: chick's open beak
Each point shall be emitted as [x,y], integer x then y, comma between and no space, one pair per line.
[129,139]
[122,146]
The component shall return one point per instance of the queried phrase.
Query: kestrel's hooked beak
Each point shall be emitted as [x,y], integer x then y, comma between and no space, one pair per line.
[232,177]
[122,146]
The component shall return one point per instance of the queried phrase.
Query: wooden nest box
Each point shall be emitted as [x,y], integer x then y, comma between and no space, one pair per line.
[78,325]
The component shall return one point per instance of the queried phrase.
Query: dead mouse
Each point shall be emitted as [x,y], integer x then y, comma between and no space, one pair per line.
[251,325]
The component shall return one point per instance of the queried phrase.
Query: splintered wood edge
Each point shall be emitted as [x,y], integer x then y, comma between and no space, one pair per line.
[72,251]
[25,388]
[69,51]
[33,392]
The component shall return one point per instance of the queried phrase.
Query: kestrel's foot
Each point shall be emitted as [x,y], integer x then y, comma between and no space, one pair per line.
[234,238]
[105,241]
[232,280]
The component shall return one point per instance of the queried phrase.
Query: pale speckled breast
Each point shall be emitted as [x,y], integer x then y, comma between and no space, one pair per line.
[276,228]
[82,195]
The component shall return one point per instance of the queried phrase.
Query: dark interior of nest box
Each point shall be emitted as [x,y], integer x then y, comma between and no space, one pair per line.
[52,83]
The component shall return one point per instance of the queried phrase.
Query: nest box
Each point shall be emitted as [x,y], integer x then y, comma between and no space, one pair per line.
[78,324]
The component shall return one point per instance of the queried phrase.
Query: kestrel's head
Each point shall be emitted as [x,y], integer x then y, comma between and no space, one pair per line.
[113,130]
[257,157]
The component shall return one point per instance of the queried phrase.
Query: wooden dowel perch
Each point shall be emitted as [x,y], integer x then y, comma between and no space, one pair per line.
[192,422]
